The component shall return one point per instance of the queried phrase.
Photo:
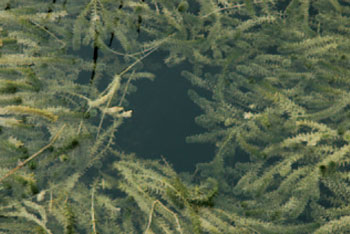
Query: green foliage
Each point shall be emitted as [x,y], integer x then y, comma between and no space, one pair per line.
[276,108]
[70,220]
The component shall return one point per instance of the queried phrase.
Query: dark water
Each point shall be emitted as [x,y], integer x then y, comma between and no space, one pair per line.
[163,115]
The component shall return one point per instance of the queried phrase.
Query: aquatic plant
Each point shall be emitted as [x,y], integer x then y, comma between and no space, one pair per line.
[277,73]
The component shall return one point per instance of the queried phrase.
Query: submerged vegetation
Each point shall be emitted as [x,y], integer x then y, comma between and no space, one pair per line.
[279,77]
